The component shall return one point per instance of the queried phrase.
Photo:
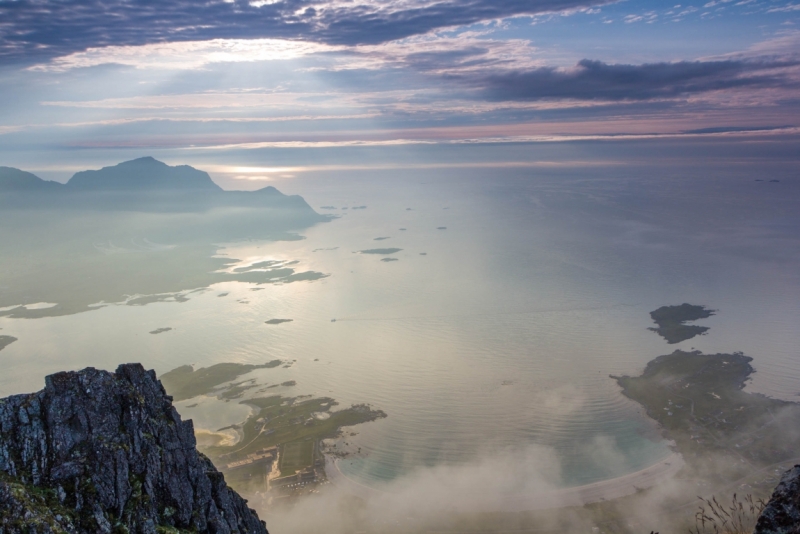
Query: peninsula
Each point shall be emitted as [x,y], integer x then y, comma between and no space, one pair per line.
[138,232]
[699,401]
[280,443]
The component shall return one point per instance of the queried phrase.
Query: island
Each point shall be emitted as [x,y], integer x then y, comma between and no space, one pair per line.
[6,341]
[278,321]
[699,402]
[671,321]
[161,330]
[384,251]
[185,382]
[75,249]
[281,442]
[386,260]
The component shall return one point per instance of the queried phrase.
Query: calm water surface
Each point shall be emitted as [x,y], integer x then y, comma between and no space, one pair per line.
[513,298]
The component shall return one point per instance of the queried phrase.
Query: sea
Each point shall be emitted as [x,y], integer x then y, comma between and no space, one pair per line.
[493,316]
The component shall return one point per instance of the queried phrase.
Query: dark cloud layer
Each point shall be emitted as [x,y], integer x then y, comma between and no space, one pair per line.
[33,30]
[595,80]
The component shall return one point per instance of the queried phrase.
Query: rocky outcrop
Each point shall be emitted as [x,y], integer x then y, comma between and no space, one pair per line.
[782,513]
[107,452]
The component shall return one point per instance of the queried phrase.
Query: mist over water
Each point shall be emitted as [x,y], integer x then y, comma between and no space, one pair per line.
[490,341]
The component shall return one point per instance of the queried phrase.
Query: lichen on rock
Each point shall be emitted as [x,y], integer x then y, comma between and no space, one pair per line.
[782,513]
[107,452]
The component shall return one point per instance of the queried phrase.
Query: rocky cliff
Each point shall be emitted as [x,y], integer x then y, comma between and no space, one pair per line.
[107,452]
[782,514]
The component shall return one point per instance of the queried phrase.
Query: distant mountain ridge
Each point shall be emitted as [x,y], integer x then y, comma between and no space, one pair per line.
[140,184]
[143,174]
[12,179]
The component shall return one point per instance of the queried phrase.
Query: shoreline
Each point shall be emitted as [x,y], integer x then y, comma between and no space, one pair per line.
[603,490]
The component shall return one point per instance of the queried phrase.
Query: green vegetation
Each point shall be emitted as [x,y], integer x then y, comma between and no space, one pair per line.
[671,321]
[296,456]
[285,422]
[278,321]
[381,251]
[37,509]
[6,341]
[699,401]
[185,382]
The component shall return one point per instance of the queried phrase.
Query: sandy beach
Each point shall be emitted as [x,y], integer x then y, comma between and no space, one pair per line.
[603,490]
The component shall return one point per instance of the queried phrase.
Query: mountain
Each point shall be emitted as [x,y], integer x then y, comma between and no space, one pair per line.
[12,179]
[143,174]
[781,515]
[145,185]
[100,452]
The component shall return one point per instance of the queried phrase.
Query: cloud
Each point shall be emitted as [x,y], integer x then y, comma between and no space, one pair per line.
[36,30]
[595,80]
[722,131]
[187,55]
[433,53]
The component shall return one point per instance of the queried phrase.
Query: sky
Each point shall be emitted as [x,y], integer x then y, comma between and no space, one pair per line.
[257,89]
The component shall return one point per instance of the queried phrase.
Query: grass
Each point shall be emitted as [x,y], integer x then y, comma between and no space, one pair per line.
[296,456]
[738,517]
[288,422]
[699,401]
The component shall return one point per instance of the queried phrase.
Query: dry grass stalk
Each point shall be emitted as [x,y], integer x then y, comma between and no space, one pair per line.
[739,517]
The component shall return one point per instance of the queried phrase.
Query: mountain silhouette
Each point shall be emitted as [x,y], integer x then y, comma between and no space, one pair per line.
[12,179]
[143,174]
[143,184]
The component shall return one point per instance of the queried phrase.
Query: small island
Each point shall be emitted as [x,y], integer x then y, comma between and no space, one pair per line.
[6,341]
[384,251]
[161,330]
[386,260]
[185,382]
[278,321]
[671,321]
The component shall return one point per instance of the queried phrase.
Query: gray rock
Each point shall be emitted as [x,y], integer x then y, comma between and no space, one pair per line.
[782,513]
[107,452]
